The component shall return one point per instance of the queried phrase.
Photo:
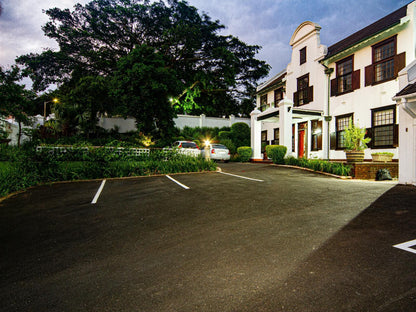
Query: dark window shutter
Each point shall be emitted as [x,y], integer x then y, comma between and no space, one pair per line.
[333,140]
[356,80]
[295,98]
[399,63]
[369,75]
[310,94]
[395,135]
[369,134]
[334,87]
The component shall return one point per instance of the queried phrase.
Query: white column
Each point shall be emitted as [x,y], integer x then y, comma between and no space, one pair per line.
[407,144]
[232,119]
[285,124]
[202,120]
[255,135]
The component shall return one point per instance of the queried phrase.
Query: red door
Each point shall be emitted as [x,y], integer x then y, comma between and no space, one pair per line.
[301,139]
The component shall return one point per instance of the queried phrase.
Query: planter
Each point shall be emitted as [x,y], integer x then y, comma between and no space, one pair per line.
[355,156]
[382,158]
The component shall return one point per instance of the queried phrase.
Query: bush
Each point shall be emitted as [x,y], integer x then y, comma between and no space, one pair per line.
[224,135]
[320,165]
[276,153]
[28,168]
[240,134]
[244,153]
[230,145]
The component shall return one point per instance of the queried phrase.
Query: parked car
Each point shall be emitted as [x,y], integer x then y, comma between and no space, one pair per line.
[185,144]
[218,152]
[187,147]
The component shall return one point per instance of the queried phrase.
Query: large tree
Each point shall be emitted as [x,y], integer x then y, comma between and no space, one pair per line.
[222,70]
[15,99]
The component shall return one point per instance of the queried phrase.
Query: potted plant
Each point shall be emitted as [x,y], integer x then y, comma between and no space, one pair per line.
[355,143]
[382,156]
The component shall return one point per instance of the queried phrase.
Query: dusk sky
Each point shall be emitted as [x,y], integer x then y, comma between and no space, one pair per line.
[268,23]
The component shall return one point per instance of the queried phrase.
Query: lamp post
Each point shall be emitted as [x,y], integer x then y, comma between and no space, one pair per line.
[207,155]
[55,100]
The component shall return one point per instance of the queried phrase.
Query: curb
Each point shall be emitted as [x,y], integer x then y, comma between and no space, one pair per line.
[320,172]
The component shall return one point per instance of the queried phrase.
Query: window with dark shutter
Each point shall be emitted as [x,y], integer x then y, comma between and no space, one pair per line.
[278,96]
[347,79]
[383,123]
[263,102]
[304,94]
[342,123]
[386,62]
[316,136]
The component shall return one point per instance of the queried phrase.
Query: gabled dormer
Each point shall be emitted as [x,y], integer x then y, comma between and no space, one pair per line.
[304,71]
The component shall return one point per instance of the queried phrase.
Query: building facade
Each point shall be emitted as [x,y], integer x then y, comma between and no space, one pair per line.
[323,89]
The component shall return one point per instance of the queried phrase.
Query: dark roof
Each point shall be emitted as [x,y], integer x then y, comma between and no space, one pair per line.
[409,89]
[382,24]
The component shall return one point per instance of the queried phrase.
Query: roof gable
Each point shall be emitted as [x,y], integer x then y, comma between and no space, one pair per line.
[378,26]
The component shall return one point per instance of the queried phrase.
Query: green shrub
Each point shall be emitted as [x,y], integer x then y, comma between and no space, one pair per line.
[28,168]
[276,153]
[244,153]
[224,135]
[240,134]
[230,145]
[319,165]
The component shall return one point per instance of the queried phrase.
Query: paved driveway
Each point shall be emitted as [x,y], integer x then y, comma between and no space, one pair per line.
[283,240]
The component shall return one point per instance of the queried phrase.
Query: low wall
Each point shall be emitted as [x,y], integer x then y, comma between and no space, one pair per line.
[368,170]
[126,125]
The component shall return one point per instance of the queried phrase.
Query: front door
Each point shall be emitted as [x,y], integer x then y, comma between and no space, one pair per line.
[301,139]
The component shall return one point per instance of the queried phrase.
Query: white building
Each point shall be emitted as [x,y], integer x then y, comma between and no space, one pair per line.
[324,88]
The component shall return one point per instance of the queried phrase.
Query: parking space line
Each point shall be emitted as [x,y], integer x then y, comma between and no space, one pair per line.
[100,189]
[177,182]
[407,246]
[234,175]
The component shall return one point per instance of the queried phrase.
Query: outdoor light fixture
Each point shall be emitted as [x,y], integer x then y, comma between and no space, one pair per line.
[55,100]
[206,149]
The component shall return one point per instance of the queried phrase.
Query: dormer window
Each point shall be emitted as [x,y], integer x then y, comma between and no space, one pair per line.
[302,55]
[386,62]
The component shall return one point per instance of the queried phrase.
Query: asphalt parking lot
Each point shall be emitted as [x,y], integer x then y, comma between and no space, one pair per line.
[282,240]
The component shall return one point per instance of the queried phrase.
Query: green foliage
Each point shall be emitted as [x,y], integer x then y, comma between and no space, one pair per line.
[383,153]
[93,37]
[27,168]
[240,134]
[230,145]
[320,165]
[15,99]
[142,84]
[224,135]
[244,153]
[276,153]
[355,138]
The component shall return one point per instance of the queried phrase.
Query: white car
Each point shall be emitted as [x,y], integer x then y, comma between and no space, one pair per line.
[187,148]
[218,152]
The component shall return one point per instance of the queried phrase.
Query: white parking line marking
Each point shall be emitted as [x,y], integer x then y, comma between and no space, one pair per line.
[406,246]
[234,175]
[177,182]
[100,189]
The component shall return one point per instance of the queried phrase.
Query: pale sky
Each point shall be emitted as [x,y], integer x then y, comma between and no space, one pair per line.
[268,23]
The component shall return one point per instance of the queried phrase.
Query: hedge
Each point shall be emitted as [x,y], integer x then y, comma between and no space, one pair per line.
[244,153]
[276,153]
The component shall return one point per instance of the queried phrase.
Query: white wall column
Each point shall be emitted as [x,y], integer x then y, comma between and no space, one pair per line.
[285,124]
[202,120]
[407,142]
[255,135]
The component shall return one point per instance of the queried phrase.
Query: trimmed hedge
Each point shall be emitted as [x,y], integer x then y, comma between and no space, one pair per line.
[320,165]
[276,153]
[28,168]
[244,153]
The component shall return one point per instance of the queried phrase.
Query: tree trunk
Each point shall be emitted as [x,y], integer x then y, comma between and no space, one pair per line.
[19,134]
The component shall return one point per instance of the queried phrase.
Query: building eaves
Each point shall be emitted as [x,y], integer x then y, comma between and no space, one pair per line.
[367,32]
[272,82]
[409,89]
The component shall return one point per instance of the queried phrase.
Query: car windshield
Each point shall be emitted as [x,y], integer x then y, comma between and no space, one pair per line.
[219,146]
[189,145]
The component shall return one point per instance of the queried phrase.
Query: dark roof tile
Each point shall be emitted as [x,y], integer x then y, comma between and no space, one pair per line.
[378,26]
[409,89]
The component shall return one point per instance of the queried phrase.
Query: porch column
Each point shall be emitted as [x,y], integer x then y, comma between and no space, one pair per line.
[285,124]
[255,135]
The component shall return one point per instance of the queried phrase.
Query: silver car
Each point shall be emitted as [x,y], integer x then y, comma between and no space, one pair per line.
[218,152]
